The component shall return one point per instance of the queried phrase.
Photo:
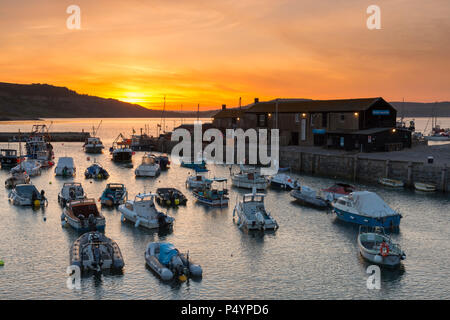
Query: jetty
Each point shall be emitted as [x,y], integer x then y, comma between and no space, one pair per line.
[55,136]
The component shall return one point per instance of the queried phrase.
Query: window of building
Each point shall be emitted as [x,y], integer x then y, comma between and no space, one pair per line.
[324,120]
[342,117]
[297,117]
[262,120]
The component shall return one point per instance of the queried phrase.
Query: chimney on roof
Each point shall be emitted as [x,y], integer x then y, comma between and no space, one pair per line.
[224,106]
[256,100]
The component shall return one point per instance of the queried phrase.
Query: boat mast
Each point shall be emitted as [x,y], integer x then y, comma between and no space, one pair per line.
[198,112]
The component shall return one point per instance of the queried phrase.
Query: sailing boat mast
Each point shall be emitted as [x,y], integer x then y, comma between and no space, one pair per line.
[198,112]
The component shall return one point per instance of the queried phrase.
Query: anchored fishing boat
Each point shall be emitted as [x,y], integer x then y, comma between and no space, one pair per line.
[38,145]
[307,195]
[16,179]
[336,191]
[366,208]
[376,247]
[142,212]
[65,167]
[252,213]
[148,168]
[199,181]
[424,187]
[249,178]
[121,151]
[83,215]
[31,167]
[284,182]
[9,158]
[96,171]
[27,195]
[95,251]
[213,196]
[71,191]
[170,197]
[114,194]
[391,183]
[168,262]
[93,145]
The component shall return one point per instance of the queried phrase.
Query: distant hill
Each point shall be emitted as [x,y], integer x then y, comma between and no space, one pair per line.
[33,101]
[419,109]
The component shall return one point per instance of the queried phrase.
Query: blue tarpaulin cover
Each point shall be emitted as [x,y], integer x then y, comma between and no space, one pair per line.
[166,252]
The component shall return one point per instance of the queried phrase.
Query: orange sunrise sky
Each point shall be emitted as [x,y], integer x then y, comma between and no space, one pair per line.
[213,52]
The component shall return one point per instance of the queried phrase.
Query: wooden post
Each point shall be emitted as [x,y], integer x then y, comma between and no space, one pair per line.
[355,167]
[443,178]
[386,168]
[409,181]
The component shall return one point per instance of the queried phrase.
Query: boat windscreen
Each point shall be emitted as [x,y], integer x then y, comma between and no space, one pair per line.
[26,189]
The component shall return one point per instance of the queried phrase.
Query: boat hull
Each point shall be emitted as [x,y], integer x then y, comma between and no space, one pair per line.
[388,261]
[222,202]
[145,223]
[385,222]
[304,199]
[77,225]
[281,185]
[260,185]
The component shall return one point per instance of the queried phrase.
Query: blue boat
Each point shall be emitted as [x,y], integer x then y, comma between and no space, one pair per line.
[96,171]
[114,194]
[199,167]
[367,209]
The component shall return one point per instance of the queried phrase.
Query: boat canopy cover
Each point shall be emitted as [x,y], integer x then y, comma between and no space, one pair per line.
[307,191]
[26,189]
[166,252]
[65,161]
[370,204]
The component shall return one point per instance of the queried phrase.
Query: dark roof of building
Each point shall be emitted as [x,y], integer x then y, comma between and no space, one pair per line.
[293,106]
[229,113]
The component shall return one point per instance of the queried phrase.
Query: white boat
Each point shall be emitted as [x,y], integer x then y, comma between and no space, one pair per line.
[167,262]
[306,195]
[252,213]
[16,179]
[378,248]
[38,145]
[31,167]
[283,181]
[148,168]
[142,212]
[366,208]
[71,191]
[65,167]
[93,145]
[27,195]
[250,178]
[83,215]
[391,183]
[94,251]
[199,181]
[425,187]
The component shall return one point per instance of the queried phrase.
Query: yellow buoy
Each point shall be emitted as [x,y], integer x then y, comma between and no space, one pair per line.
[50,182]
[37,203]
[182,278]
[168,202]
[99,176]
[2,263]
[177,201]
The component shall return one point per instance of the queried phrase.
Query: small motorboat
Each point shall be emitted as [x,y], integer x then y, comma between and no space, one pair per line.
[424,187]
[121,151]
[168,262]
[199,181]
[9,158]
[391,183]
[163,161]
[31,167]
[378,248]
[284,182]
[307,195]
[249,178]
[252,213]
[71,191]
[142,212]
[170,197]
[93,145]
[96,171]
[200,166]
[65,167]
[94,251]
[27,195]
[336,191]
[366,208]
[83,215]
[16,179]
[213,196]
[148,168]
[114,194]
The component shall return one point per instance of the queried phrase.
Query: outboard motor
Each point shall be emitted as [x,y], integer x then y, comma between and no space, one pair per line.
[92,223]
[97,263]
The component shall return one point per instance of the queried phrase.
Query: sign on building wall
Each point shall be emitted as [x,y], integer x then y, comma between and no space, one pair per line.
[381,112]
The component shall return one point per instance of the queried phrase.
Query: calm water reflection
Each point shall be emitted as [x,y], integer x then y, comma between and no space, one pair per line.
[312,255]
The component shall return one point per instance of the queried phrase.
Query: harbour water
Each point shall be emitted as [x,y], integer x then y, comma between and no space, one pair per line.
[311,255]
